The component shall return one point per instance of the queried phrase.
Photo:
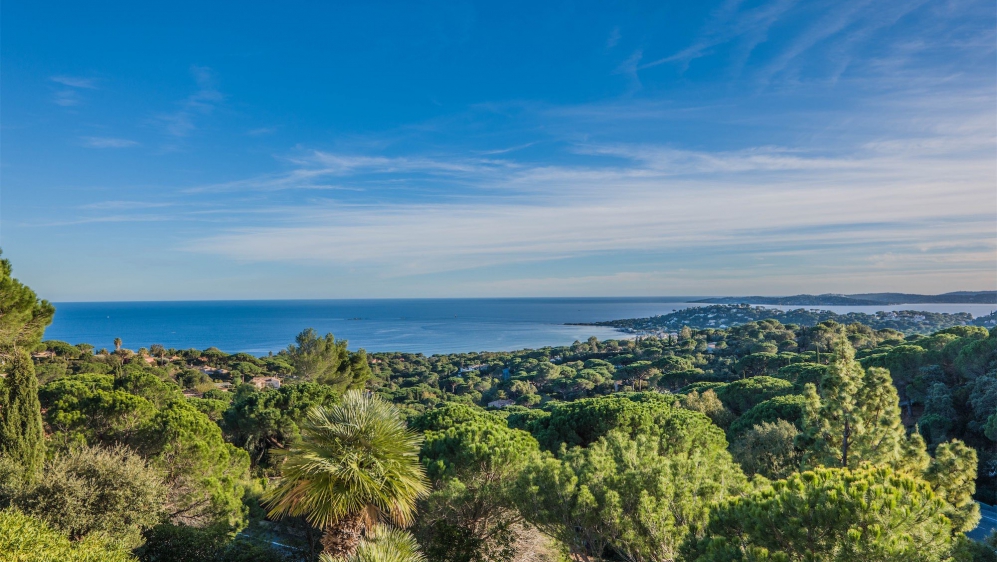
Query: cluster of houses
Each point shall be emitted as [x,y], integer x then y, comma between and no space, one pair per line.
[265,382]
[260,382]
[212,371]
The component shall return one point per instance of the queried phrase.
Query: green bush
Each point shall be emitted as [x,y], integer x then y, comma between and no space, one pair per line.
[26,539]
[170,543]
[788,407]
[740,396]
[110,493]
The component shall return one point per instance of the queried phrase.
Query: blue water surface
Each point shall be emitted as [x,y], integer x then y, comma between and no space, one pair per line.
[413,325]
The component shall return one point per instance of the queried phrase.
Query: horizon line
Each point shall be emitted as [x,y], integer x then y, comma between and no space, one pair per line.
[535,297]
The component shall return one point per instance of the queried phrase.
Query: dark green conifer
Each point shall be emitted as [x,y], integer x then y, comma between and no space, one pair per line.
[23,319]
[21,435]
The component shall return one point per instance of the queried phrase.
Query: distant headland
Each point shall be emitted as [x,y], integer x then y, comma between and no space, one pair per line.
[863,299]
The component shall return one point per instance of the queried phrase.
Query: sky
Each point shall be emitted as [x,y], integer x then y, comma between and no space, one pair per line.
[258,150]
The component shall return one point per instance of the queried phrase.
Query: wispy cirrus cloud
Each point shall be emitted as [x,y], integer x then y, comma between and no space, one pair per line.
[70,95]
[778,205]
[895,198]
[120,205]
[843,27]
[614,37]
[66,98]
[182,122]
[320,169]
[730,22]
[75,82]
[738,146]
[822,40]
[107,142]
[424,239]
[120,218]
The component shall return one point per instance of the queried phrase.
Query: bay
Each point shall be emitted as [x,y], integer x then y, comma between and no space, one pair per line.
[411,325]
[426,326]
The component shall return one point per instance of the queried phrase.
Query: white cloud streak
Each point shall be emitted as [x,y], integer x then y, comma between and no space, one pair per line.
[107,142]
[70,95]
[181,123]
[75,82]
[890,198]
[729,23]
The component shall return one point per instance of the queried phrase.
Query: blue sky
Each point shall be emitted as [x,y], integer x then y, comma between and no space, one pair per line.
[334,150]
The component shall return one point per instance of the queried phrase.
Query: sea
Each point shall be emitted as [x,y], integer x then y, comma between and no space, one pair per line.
[428,326]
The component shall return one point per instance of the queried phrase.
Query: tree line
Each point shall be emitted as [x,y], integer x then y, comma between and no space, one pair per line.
[766,441]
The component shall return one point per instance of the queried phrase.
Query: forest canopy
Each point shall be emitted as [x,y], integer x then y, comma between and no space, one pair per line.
[735,443]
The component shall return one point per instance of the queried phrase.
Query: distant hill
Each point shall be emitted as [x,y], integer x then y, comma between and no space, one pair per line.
[797,300]
[727,315]
[957,297]
[864,299]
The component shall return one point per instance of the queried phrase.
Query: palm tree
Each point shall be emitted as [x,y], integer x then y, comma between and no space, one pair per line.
[357,464]
[117,344]
[390,544]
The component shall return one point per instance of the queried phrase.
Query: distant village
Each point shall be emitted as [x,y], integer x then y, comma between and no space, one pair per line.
[727,315]
[216,370]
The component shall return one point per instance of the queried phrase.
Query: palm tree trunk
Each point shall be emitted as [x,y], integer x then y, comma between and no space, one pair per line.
[342,537]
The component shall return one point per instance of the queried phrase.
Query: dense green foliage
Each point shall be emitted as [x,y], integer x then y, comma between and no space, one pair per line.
[855,418]
[23,317]
[724,315]
[169,543]
[789,408]
[27,539]
[579,444]
[827,515]
[111,493]
[768,449]
[473,460]
[357,464]
[742,395]
[327,361]
[21,435]
[207,477]
[260,421]
[388,545]
[761,441]
[639,489]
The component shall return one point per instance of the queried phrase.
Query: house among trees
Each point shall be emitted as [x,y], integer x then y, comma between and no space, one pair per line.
[265,382]
[213,371]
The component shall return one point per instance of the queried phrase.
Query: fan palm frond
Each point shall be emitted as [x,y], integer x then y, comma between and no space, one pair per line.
[356,458]
[388,545]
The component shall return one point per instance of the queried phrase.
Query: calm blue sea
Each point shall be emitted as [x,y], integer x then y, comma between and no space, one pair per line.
[414,325]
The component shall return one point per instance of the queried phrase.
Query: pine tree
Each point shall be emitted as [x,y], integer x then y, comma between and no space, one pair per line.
[952,474]
[883,436]
[856,418]
[23,319]
[829,515]
[21,435]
